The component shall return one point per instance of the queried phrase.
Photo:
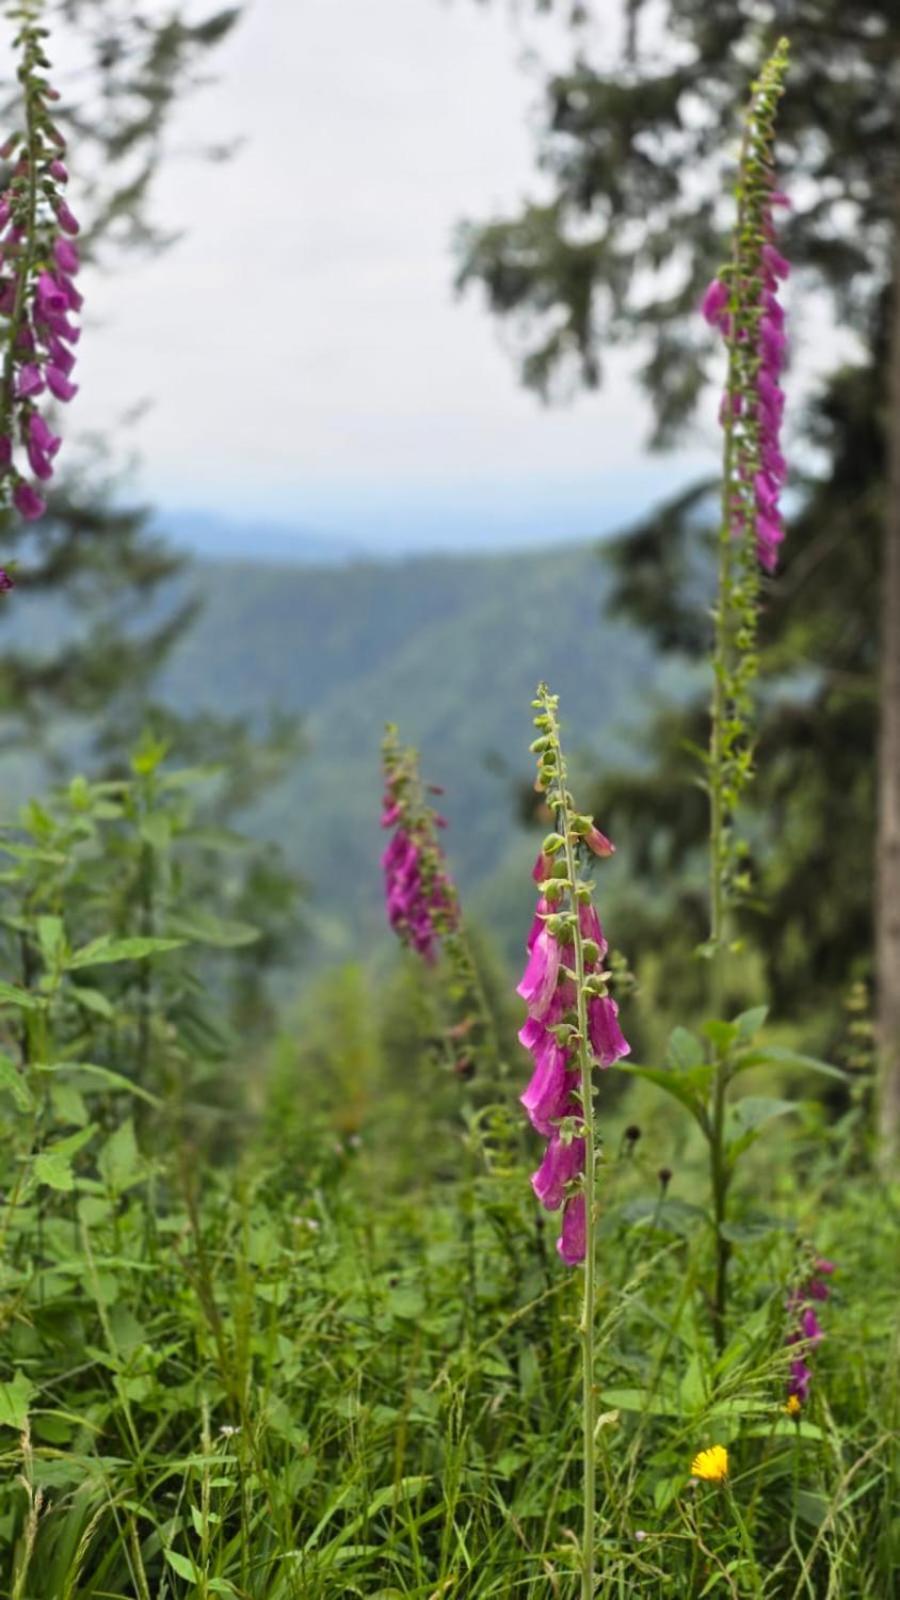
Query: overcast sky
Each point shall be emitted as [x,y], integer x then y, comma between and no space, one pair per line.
[302,345]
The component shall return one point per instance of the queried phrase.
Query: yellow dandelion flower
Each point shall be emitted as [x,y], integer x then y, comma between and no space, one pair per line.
[793,1406]
[711,1464]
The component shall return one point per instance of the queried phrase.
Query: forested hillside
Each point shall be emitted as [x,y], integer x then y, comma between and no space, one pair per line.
[451,648]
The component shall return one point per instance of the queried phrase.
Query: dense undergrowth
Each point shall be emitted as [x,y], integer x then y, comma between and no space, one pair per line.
[308,1335]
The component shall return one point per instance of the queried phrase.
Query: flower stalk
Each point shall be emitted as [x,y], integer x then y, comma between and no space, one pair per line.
[742,302]
[571,1028]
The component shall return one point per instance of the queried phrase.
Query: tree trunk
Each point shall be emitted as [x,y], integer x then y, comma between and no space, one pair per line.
[887,858]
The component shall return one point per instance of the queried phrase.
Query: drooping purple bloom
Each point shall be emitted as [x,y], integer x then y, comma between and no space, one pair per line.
[66,220]
[715,302]
[539,978]
[59,384]
[571,1242]
[561,1164]
[608,1042]
[28,502]
[30,381]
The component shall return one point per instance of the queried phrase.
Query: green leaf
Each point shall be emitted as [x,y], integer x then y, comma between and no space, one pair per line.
[183,1566]
[54,1170]
[201,927]
[671,1083]
[68,1105]
[721,1034]
[756,1109]
[777,1056]
[13,1082]
[92,1000]
[52,940]
[685,1050]
[640,1400]
[120,1162]
[106,950]
[15,1398]
[11,996]
[749,1022]
[114,1080]
[156,831]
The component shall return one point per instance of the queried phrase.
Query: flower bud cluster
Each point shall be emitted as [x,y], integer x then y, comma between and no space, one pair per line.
[565,988]
[742,302]
[421,900]
[38,297]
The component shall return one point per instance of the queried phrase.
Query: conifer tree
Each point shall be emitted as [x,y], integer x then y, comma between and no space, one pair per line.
[623,247]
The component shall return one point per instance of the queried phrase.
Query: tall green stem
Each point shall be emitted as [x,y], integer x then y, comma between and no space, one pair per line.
[585,1065]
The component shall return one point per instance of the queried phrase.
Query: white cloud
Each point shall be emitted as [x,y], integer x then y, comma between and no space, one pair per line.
[304,332]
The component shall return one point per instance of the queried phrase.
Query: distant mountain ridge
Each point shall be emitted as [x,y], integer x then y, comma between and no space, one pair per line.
[451,648]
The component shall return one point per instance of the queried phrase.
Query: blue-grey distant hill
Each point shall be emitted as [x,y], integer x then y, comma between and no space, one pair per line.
[449,648]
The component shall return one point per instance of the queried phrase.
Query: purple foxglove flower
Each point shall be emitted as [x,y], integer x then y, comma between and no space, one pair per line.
[549,1090]
[543,908]
[715,302]
[7,297]
[800,1380]
[30,381]
[598,843]
[5,212]
[543,868]
[51,299]
[40,464]
[66,256]
[774,263]
[58,171]
[28,502]
[571,1242]
[66,220]
[61,357]
[6,581]
[540,976]
[607,1039]
[591,927]
[810,1327]
[561,1163]
[59,383]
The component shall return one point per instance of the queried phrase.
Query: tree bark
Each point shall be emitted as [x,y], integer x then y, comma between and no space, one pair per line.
[887,856]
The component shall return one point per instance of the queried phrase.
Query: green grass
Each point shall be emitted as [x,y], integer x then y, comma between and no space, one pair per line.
[277,1377]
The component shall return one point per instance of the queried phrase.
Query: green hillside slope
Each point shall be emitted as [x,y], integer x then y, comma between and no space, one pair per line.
[449,648]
